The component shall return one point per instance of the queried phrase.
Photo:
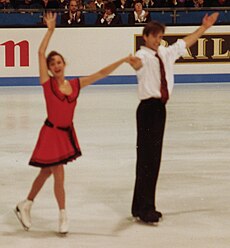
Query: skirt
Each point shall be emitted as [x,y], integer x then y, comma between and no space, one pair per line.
[55,146]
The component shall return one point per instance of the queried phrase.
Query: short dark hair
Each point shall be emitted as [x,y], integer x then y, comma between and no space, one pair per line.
[51,55]
[153,27]
[111,6]
[137,1]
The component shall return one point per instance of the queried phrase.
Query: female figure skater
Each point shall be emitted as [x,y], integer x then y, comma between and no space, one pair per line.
[57,143]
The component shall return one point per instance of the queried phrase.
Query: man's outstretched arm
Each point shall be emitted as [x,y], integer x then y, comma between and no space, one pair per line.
[207,22]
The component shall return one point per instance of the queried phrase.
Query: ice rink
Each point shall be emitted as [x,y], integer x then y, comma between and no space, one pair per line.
[194,184]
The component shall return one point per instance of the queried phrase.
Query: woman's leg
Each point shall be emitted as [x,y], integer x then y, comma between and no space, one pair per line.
[23,208]
[39,182]
[58,173]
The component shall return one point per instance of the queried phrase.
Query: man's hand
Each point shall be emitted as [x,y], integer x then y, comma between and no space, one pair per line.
[208,21]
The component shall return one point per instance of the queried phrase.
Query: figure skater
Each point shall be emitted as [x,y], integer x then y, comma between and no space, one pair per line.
[154,67]
[57,143]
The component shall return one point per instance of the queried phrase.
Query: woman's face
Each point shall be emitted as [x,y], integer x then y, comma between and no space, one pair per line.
[138,7]
[57,66]
[108,11]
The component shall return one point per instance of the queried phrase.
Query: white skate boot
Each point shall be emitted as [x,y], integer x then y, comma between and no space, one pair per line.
[63,222]
[22,211]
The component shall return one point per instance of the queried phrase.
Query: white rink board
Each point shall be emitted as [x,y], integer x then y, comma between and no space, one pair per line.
[88,49]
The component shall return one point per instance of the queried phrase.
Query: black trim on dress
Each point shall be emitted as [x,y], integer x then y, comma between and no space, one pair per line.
[71,98]
[56,93]
[77,152]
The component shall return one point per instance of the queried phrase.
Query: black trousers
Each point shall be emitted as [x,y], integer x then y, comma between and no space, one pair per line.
[151,116]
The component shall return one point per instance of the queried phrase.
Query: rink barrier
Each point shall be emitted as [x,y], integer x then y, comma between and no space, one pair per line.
[207,61]
[119,80]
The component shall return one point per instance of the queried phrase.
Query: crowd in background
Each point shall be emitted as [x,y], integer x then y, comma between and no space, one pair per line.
[119,4]
[73,11]
[107,14]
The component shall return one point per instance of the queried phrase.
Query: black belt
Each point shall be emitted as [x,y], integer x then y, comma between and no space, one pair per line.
[65,129]
[151,99]
[50,124]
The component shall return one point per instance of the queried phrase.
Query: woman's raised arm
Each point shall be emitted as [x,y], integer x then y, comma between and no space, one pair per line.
[84,81]
[50,20]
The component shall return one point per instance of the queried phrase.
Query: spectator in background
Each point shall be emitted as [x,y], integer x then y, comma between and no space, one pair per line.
[180,3]
[49,4]
[90,5]
[80,4]
[109,17]
[73,17]
[174,3]
[21,4]
[221,3]
[123,4]
[138,16]
[197,3]
[5,4]
[99,4]
[148,4]
[63,4]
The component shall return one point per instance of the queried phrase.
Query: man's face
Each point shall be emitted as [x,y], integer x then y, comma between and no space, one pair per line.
[153,41]
[73,6]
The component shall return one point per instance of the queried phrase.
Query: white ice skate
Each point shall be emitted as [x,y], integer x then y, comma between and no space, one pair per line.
[22,212]
[63,222]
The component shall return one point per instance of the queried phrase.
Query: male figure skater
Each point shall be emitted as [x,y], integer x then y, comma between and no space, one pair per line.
[154,67]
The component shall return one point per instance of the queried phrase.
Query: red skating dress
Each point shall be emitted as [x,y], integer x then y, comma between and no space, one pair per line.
[57,142]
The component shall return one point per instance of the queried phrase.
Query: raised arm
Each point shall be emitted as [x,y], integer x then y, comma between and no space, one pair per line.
[84,81]
[207,22]
[50,20]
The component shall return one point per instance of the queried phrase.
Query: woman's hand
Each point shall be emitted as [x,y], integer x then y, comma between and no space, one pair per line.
[134,61]
[50,20]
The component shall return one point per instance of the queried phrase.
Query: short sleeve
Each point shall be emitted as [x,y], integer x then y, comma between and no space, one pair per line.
[77,86]
[46,84]
[141,56]
[46,87]
[176,50]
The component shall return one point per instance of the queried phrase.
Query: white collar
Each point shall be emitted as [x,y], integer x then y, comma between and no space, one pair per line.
[140,18]
[149,50]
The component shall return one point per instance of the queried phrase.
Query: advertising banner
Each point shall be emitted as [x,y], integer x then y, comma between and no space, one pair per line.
[87,50]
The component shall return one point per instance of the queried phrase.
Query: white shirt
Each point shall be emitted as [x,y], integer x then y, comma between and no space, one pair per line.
[149,74]
[109,18]
[141,17]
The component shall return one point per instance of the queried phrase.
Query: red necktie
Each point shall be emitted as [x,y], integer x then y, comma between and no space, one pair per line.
[164,88]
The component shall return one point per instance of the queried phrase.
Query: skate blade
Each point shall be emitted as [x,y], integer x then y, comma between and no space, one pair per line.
[62,234]
[138,220]
[17,213]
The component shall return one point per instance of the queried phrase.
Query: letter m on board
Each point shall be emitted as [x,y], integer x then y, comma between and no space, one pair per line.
[10,53]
